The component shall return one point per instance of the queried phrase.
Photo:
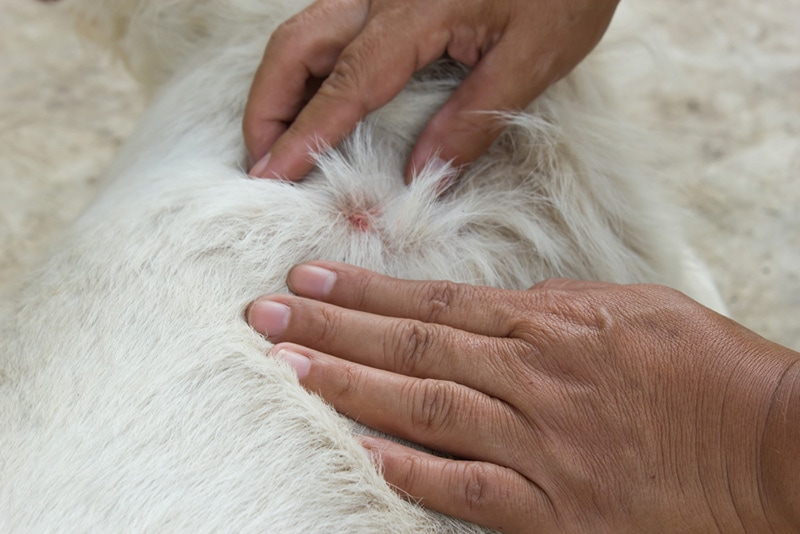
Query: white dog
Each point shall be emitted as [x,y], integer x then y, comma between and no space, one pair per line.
[134,396]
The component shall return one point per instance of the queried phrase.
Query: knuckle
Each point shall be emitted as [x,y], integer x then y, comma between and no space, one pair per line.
[559,303]
[409,345]
[365,286]
[350,383]
[411,468]
[432,405]
[436,298]
[566,316]
[344,82]
[476,487]
[540,319]
[671,305]
[329,321]
[298,33]
[660,293]
[287,32]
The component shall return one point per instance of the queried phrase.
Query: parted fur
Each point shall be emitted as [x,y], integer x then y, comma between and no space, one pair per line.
[133,395]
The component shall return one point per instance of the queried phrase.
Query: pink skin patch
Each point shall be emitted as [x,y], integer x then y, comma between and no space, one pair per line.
[361,220]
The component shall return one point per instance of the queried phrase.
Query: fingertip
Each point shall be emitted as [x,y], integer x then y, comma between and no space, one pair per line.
[374,447]
[287,160]
[447,141]
[384,455]
[427,154]
[473,117]
[392,462]
[268,317]
[259,139]
[447,171]
[311,281]
[411,171]
[419,158]
[299,363]
[261,167]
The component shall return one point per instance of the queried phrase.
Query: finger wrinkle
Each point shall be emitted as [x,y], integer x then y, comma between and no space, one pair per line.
[410,344]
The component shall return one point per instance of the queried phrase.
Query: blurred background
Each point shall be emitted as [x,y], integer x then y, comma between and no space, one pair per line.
[717,85]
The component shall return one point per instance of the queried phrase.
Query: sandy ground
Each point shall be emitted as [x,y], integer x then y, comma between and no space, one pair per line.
[725,106]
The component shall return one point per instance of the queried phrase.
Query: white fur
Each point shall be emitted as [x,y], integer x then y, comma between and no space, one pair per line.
[133,395]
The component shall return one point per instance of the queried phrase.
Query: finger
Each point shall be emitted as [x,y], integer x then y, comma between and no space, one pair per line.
[480,310]
[467,124]
[482,493]
[442,415]
[304,47]
[404,346]
[370,71]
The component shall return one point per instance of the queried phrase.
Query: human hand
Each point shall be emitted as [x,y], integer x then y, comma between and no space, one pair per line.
[572,406]
[363,52]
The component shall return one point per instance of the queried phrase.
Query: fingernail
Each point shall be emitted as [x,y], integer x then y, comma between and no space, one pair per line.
[430,163]
[311,281]
[259,170]
[270,318]
[435,163]
[301,364]
[372,449]
[368,442]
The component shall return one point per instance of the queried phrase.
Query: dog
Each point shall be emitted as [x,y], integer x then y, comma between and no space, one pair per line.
[134,396]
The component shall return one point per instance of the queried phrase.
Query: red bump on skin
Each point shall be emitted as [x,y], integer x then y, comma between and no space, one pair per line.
[362,219]
[359,220]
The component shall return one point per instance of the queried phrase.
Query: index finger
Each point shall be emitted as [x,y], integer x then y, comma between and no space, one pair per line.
[481,310]
[305,46]
[368,73]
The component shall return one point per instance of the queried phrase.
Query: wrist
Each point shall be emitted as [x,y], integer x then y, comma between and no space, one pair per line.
[780,453]
[744,483]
